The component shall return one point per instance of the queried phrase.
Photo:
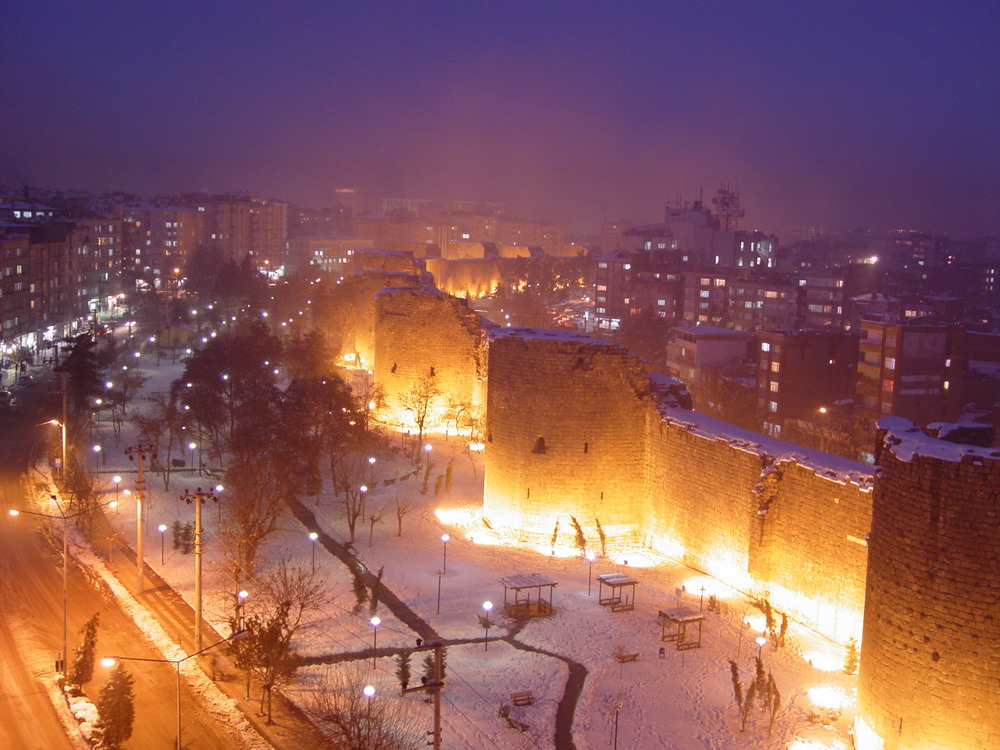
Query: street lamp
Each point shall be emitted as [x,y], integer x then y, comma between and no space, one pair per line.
[444,552]
[761,640]
[97,456]
[117,480]
[161,528]
[109,661]
[191,447]
[427,449]
[375,621]
[363,489]
[371,463]
[65,571]
[369,692]
[487,606]
[313,536]
[590,570]
[62,426]
[241,603]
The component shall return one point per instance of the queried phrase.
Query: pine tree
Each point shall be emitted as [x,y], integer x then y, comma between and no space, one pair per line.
[403,669]
[851,657]
[580,540]
[360,593]
[600,534]
[83,663]
[429,668]
[734,672]
[116,708]
[775,698]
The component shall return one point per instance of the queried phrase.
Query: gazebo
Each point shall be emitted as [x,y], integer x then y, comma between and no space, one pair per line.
[621,594]
[522,584]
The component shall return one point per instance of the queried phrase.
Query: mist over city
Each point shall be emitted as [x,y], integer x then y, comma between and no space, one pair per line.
[560,376]
[842,116]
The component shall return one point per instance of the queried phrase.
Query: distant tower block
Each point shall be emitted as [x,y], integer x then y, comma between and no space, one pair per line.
[930,655]
[564,434]
[727,208]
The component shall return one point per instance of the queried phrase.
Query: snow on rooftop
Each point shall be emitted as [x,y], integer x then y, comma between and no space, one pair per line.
[553,334]
[712,331]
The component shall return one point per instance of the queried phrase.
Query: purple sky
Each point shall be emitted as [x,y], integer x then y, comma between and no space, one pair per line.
[839,114]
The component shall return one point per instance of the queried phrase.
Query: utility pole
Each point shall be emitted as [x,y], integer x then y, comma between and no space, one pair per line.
[434,688]
[63,391]
[138,453]
[198,497]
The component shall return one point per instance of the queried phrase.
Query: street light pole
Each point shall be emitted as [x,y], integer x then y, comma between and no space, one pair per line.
[109,661]
[486,625]
[198,497]
[444,554]
[161,528]
[375,621]
[313,536]
[138,454]
[590,571]
[64,517]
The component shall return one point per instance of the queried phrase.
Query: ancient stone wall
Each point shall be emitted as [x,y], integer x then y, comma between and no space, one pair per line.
[753,513]
[564,434]
[426,339]
[366,287]
[930,659]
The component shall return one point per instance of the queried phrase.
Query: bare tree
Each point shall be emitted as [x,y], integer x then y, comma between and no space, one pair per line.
[352,468]
[419,401]
[340,705]
[402,508]
[289,597]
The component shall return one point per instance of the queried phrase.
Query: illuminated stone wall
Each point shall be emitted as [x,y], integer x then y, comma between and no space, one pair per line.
[422,333]
[930,660]
[368,285]
[755,513]
[564,434]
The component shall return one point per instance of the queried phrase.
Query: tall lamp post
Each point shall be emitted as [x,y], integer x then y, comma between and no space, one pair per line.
[117,480]
[162,529]
[371,463]
[109,661]
[198,497]
[313,536]
[64,517]
[62,427]
[375,621]
[487,606]
[760,640]
[191,447]
[590,570]
[363,489]
[444,552]
[427,449]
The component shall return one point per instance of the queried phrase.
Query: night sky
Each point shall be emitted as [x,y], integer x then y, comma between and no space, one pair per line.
[843,115]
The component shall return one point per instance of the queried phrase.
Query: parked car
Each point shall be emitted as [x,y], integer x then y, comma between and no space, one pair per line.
[26,380]
[7,399]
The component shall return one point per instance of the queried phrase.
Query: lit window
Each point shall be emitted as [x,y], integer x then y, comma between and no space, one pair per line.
[627,266]
[947,363]
[772,406]
[775,367]
[704,293]
[765,347]
[774,386]
[704,282]
[720,282]
[661,302]
[946,385]
[602,265]
[890,363]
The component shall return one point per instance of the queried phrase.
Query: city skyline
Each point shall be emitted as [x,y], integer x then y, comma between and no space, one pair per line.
[838,117]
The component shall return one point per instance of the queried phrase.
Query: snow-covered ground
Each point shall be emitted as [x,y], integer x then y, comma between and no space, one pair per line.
[682,700]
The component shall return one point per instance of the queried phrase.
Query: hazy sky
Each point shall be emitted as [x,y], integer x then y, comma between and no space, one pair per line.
[840,114]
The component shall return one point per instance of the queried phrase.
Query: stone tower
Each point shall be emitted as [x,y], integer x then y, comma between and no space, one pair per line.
[930,659]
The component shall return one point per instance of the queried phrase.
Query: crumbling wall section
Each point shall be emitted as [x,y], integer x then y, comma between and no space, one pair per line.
[426,340]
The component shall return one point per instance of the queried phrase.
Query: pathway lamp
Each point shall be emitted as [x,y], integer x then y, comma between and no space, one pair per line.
[590,571]
[444,552]
[313,536]
[487,607]
[375,621]
[162,528]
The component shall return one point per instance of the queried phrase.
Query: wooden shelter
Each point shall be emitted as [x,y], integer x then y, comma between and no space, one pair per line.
[522,584]
[674,627]
[621,591]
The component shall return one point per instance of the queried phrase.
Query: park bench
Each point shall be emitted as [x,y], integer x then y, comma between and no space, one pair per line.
[622,658]
[523,698]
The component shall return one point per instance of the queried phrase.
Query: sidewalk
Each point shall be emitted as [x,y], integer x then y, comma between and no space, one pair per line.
[291,729]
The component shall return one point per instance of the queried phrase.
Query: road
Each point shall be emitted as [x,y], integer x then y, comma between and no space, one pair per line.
[31,626]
